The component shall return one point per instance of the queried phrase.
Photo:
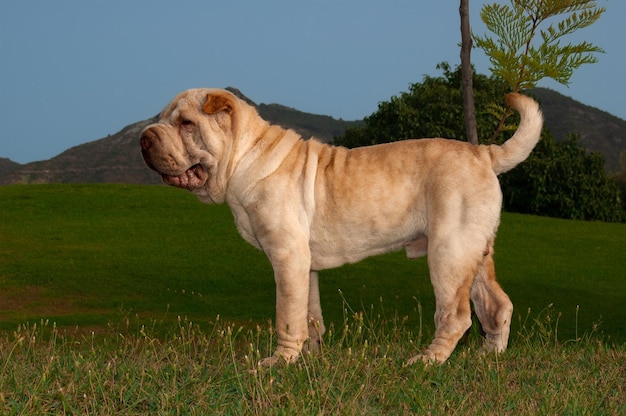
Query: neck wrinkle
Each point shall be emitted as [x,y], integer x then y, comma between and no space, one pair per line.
[269,149]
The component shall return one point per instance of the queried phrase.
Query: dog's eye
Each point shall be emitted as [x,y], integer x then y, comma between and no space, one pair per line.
[185,122]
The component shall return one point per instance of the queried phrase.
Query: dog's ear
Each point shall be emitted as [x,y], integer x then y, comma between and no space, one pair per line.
[216,103]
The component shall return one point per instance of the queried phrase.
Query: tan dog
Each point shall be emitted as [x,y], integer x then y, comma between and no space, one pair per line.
[311,206]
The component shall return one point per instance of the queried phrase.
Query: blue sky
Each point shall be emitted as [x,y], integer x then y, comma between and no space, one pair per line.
[76,71]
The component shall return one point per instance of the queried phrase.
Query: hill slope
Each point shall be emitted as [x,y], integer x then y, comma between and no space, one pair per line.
[599,131]
[116,158]
[7,166]
[113,159]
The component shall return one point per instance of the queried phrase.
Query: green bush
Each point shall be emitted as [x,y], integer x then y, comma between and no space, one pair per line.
[562,180]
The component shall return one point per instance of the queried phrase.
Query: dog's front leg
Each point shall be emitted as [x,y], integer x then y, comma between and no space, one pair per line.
[291,272]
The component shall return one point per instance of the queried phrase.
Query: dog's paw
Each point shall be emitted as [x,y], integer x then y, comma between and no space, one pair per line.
[272,361]
[417,359]
[427,357]
[281,356]
[494,343]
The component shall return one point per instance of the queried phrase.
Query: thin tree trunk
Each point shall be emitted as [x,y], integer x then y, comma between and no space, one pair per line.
[467,87]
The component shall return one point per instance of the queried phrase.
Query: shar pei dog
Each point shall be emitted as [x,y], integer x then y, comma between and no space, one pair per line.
[312,206]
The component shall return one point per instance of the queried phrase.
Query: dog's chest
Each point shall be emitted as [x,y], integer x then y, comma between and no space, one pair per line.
[244,225]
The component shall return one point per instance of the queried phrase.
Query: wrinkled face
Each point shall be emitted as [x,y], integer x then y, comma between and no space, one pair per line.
[187,143]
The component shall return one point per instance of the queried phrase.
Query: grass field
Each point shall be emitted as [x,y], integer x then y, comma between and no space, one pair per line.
[139,299]
[89,255]
[359,371]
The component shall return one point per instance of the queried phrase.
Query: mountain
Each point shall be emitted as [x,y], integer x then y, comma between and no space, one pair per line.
[7,166]
[599,131]
[113,159]
[117,159]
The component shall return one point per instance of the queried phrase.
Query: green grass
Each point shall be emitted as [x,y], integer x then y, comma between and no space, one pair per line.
[87,255]
[213,370]
[139,299]
[81,255]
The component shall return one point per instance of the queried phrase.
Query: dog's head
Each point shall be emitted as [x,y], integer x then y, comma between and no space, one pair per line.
[191,144]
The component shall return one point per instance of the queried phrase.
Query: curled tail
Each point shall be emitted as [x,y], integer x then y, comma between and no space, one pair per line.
[515,150]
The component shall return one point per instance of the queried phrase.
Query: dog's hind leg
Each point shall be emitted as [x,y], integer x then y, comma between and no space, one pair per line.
[452,270]
[493,307]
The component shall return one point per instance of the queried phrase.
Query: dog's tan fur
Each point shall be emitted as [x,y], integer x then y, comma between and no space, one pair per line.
[311,206]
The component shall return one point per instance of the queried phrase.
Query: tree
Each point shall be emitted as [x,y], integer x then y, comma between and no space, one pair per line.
[562,180]
[516,54]
[558,179]
[620,179]
[431,108]
[467,87]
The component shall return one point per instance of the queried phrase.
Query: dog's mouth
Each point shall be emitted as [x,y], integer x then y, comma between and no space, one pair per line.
[193,178]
